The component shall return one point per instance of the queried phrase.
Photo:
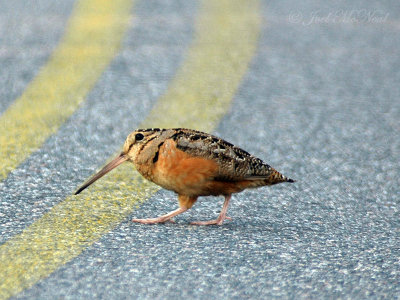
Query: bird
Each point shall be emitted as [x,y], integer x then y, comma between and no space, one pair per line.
[192,164]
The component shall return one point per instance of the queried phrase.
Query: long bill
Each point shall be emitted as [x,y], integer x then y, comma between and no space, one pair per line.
[107,168]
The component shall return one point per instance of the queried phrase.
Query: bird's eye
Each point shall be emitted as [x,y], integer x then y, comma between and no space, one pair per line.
[139,137]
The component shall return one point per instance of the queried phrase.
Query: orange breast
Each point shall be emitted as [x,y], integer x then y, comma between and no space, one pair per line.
[178,171]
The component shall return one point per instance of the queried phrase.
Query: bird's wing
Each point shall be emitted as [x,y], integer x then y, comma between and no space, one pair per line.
[234,163]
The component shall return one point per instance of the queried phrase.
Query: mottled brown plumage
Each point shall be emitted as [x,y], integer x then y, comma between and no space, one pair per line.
[192,164]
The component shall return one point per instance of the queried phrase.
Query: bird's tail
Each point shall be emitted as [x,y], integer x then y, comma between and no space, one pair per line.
[274,177]
[277,177]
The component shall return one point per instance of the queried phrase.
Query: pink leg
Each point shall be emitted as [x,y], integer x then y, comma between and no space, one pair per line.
[163,218]
[222,216]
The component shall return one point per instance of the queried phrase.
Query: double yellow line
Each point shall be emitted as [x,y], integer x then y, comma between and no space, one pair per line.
[225,40]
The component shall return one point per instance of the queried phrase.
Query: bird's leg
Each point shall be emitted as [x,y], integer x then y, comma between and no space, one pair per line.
[222,216]
[163,218]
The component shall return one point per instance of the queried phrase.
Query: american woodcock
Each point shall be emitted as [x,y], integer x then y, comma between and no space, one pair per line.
[192,164]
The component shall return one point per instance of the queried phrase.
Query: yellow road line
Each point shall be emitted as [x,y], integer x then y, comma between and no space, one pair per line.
[207,81]
[225,40]
[93,36]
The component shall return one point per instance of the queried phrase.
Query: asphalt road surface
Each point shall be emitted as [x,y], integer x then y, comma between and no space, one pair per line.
[311,88]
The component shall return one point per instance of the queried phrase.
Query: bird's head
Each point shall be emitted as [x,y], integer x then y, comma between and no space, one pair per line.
[133,144]
[136,140]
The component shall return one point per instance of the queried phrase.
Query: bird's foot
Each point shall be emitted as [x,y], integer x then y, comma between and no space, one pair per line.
[165,218]
[217,221]
[153,220]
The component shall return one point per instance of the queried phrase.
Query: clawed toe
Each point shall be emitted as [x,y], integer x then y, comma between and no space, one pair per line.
[153,221]
[165,218]
[218,221]
[212,222]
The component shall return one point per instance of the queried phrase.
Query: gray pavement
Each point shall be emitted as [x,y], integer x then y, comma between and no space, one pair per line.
[320,102]
[28,35]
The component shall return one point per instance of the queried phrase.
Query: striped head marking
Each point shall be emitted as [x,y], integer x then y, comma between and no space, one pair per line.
[133,145]
[137,140]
